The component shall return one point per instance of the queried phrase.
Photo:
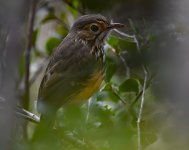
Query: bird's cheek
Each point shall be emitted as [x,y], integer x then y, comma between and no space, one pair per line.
[86,35]
[91,37]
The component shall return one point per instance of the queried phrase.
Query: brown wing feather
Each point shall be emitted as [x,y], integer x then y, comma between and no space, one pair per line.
[70,67]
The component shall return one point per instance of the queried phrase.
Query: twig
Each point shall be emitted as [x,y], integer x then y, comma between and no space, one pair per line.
[22,112]
[27,60]
[141,108]
[88,110]
[127,37]
[127,69]
[121,58]
[27,53]
[118,96]
[140,93]
[27,115]
[134,39]
[142,101]
[152,76]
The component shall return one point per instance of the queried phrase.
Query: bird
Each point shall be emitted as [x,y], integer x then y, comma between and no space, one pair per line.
[76,68]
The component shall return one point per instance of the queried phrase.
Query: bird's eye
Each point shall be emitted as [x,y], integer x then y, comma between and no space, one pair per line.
[94,28]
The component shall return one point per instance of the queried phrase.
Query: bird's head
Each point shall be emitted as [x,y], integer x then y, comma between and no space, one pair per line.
[93,28]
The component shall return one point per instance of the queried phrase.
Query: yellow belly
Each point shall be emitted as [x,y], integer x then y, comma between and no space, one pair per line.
[91,87]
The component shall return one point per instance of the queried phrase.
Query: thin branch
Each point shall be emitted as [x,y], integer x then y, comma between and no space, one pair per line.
[26,99]
[127,69]
[118,96]
[141,108]
[134,39]
[114,91]
[140,93]
[21,112]
[127,37]
[28,51]
[27,115]
[88,110]
[142,100]
[121,58]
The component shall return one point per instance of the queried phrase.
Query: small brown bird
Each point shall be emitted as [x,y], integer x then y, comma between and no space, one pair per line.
[76,68]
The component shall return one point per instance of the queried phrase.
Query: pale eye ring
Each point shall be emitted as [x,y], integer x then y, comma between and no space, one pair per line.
[94,28]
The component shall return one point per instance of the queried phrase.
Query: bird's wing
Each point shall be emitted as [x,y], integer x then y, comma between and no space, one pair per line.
[66,76]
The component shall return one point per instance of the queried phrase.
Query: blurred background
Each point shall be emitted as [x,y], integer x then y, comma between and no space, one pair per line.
[30,30]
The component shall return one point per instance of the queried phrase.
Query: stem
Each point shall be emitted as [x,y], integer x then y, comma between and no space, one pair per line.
[27,59]
[127,37]
[133,38]
[127,69]
[141,108]
[118,96]
[140,93]
[27,115]
[27,53]
[88,110]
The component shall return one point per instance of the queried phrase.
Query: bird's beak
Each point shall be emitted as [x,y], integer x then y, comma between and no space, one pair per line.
[115,26]
[107,30]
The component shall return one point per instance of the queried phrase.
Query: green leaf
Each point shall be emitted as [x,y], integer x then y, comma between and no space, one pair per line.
[73,7]
[130,85]
[76,3]
[107,87]
[61,30]
[141,81]
[113,41]
[111,68]
[51,16]
[52,43]
[110,71]
[128,46]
